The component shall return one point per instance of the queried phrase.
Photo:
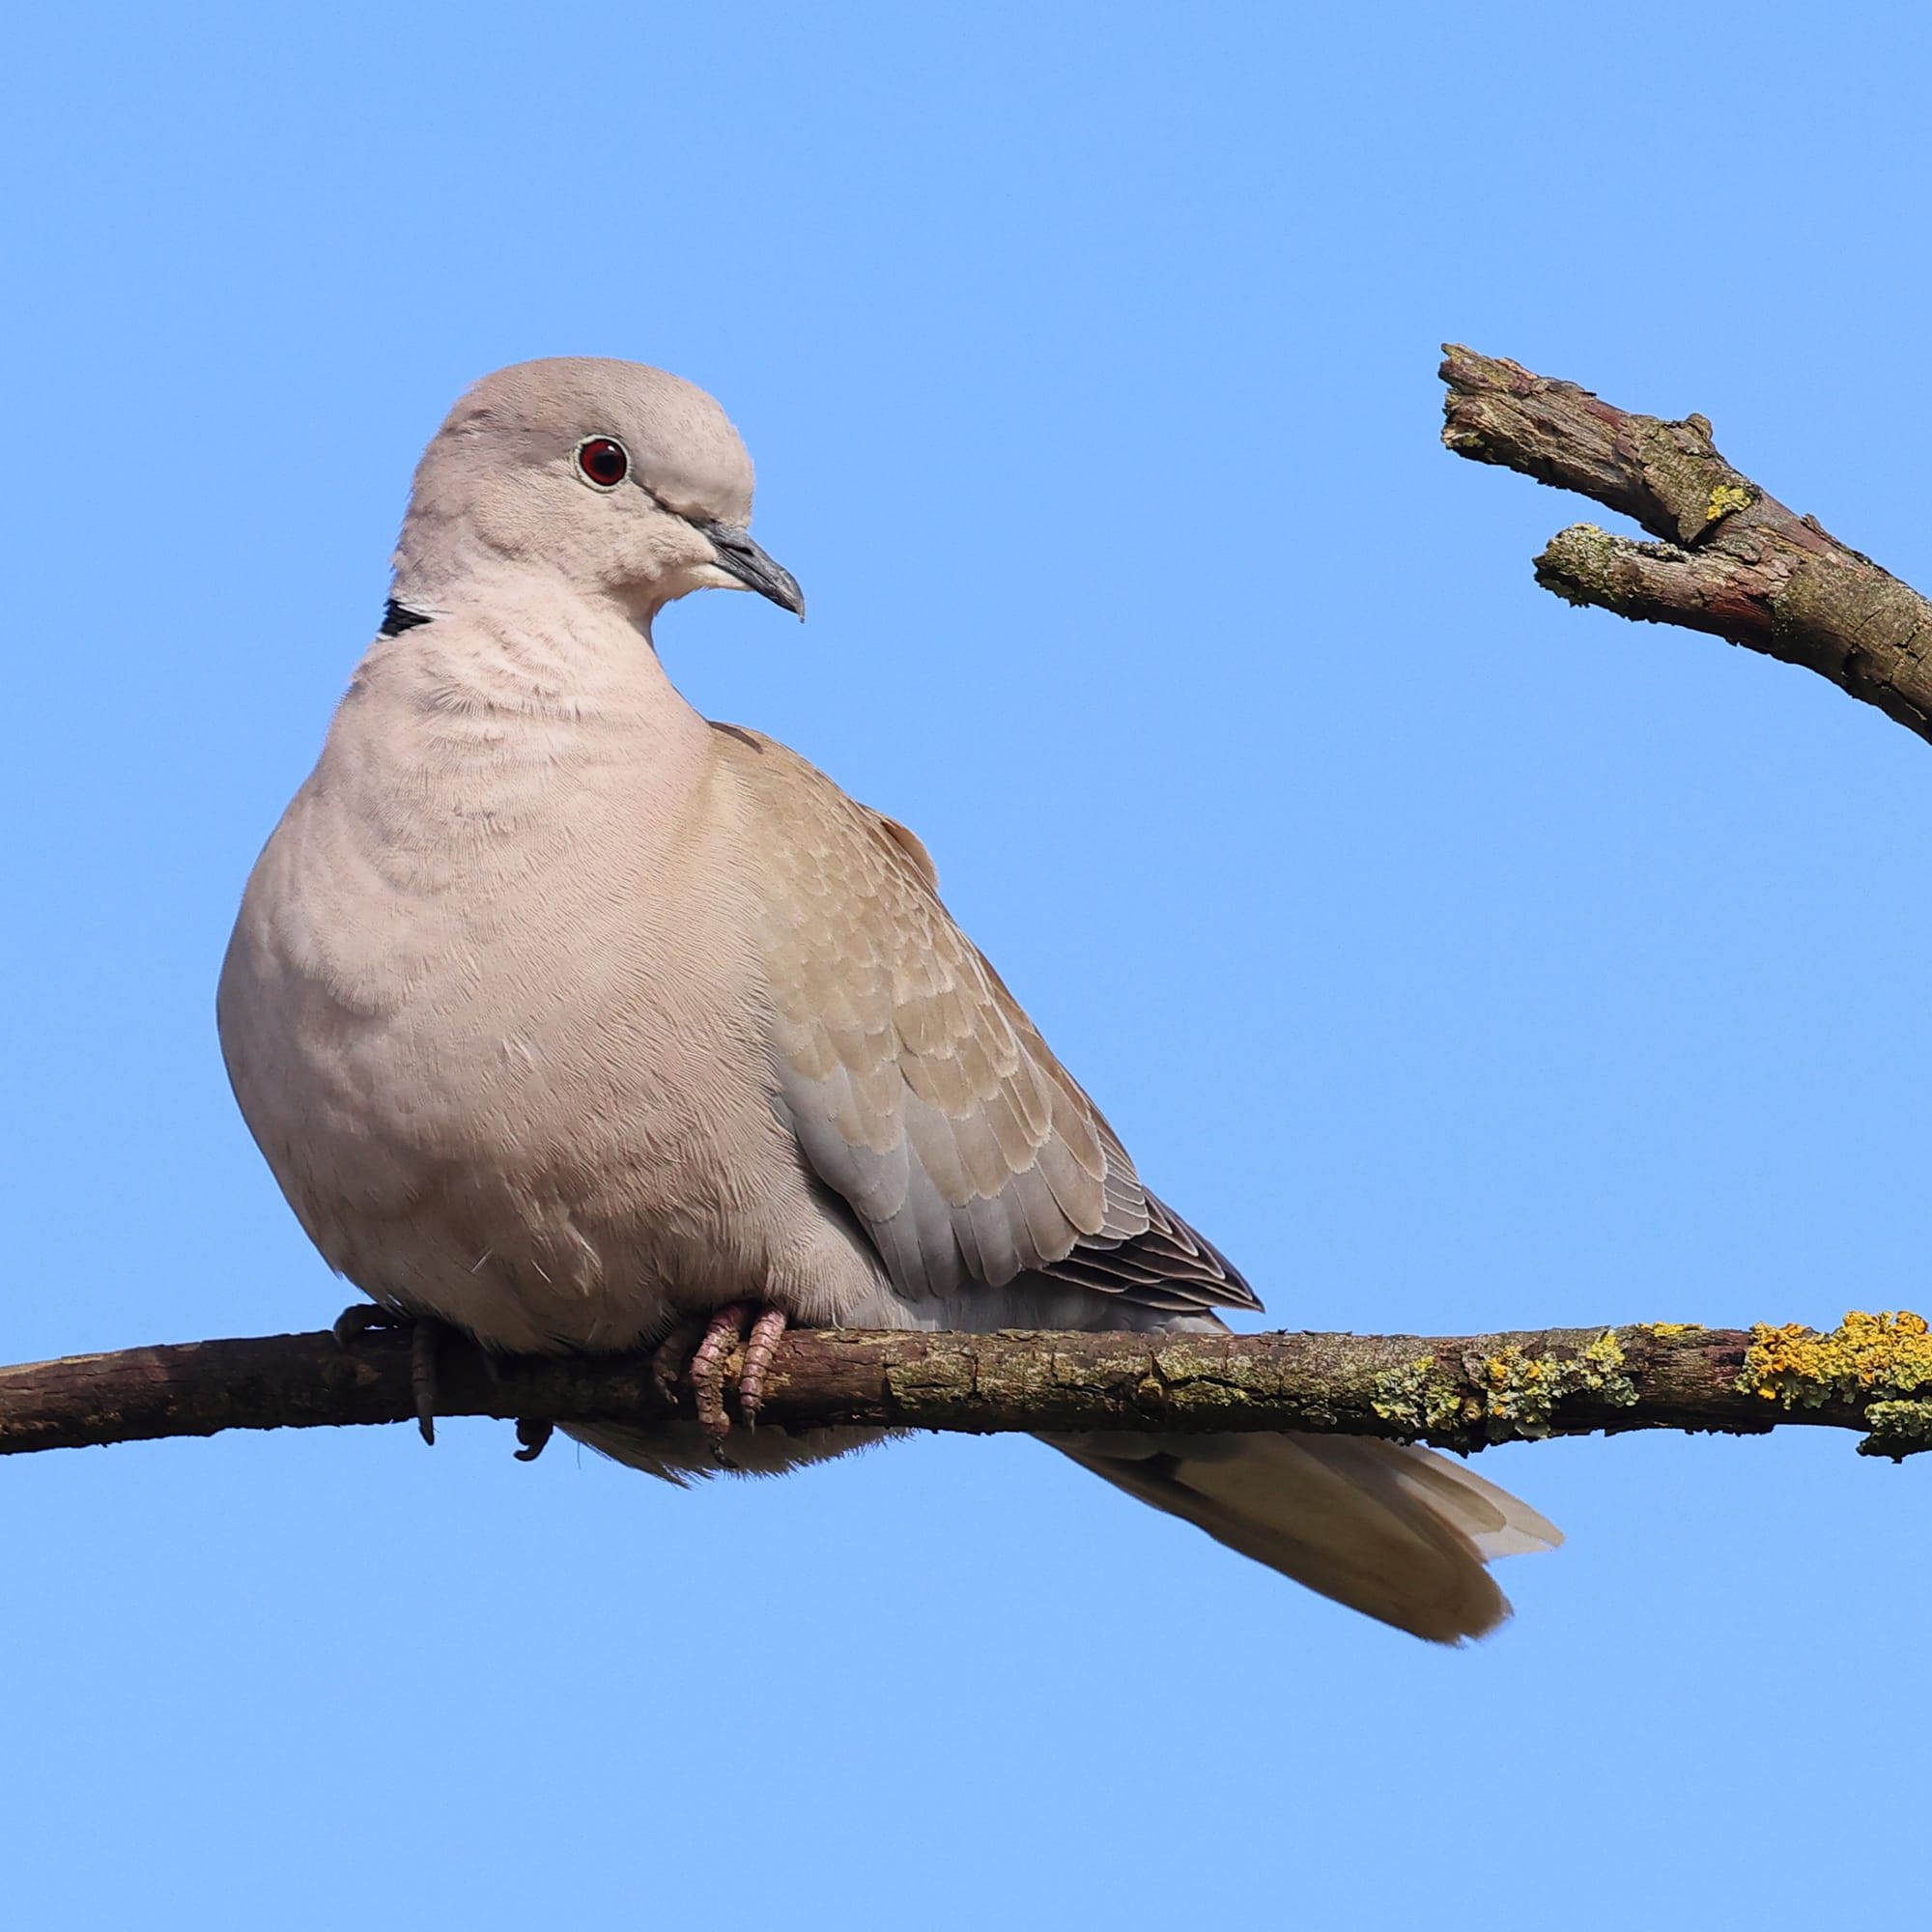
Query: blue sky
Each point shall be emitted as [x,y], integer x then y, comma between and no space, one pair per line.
[1459,960]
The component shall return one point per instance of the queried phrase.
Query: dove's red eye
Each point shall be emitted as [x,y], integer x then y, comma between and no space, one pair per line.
[604,461]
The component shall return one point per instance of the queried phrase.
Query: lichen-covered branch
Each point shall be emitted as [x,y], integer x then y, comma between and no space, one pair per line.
[1730,558]
[1873,1374]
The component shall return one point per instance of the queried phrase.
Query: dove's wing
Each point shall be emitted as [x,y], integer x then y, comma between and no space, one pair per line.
[917,1088]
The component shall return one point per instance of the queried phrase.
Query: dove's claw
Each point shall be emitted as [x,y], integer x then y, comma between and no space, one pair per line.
[424,1337]
[533,1435]
[760,1349]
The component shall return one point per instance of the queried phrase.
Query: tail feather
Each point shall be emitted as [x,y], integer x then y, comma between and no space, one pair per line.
[1395,1532]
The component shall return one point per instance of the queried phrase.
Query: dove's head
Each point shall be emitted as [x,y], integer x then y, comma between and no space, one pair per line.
[624,482]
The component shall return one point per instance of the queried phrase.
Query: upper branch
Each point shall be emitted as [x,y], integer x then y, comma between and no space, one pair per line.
[1730,557]
[1874,1373]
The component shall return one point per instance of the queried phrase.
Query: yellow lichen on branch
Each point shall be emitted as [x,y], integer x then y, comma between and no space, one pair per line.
[1525,1389]
[1884,1360]
[1509,1394]
[1886,1354]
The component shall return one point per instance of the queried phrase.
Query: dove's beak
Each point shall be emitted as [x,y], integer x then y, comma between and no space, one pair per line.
[740,558]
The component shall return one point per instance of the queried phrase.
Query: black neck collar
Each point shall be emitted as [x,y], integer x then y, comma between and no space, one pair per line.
[398,618]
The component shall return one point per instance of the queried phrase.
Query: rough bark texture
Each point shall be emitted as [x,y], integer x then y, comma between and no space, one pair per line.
[1462,1392]
[1729,559]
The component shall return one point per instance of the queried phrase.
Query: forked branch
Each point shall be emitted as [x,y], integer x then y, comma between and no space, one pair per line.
[1728,557]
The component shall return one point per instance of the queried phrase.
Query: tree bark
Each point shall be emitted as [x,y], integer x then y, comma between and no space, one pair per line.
[1729,559]
[1460,1392]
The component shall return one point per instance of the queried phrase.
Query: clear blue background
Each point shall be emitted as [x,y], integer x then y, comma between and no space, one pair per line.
[1459,959]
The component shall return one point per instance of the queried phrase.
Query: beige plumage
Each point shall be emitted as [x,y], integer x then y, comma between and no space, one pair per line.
[561,1014]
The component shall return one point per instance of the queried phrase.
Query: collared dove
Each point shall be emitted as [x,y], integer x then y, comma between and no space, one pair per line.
[567,1018]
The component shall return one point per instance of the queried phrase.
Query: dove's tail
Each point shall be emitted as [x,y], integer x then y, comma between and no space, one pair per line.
[1395,1532]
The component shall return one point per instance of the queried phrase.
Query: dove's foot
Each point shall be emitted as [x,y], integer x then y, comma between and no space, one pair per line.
[706,1367]
[533,1435]
[426,1335]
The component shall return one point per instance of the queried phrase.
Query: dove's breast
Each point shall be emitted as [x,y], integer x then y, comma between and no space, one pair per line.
[493,1012]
